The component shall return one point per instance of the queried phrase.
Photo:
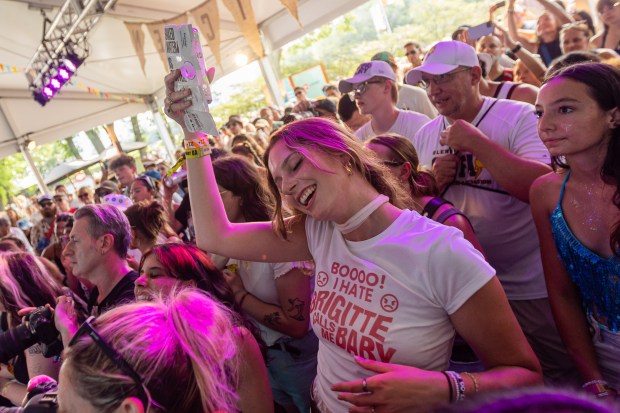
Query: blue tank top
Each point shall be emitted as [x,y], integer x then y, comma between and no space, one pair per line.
[597,278]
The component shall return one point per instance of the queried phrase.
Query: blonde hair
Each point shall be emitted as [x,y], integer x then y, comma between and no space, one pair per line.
[332,139]
[183,347]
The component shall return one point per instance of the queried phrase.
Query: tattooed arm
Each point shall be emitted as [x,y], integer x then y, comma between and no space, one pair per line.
[292,315]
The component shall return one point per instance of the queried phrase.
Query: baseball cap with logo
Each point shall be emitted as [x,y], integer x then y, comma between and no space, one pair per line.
[367,71]
[442,58]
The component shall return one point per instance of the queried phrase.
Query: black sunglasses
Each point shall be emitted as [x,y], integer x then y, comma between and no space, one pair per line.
[117,359]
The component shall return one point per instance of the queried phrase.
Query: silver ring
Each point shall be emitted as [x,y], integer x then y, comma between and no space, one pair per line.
[365,385]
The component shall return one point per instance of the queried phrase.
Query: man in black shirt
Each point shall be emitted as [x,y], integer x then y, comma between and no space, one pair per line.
[98,246]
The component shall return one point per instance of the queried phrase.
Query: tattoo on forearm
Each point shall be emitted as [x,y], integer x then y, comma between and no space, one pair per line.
[273,318]
[296,311]
[36,349]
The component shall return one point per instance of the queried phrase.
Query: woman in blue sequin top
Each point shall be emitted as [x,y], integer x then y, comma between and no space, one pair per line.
[577,213]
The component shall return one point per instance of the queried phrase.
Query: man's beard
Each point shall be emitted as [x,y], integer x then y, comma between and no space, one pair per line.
[48,213]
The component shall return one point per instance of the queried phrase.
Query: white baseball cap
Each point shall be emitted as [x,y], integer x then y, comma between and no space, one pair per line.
[442,58]
[367,71]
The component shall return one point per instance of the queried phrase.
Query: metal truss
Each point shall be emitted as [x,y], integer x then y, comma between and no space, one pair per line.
[66,35]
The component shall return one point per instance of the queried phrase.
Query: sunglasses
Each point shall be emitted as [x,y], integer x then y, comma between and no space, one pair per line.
[411,52]
[360,88]
[425,83]
[46,204]
[87,329]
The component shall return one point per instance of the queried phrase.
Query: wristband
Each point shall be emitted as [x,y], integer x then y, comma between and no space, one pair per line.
[600,388]
[177,165]
[449,386]
[516,49]
[459,385]
[198,152]
[196,142]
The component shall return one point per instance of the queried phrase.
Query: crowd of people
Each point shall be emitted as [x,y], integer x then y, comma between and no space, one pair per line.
[438,237]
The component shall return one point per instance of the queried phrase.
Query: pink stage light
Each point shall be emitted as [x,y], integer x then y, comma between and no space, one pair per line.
[70,65]
[47,91]
[63,73]
[55,84]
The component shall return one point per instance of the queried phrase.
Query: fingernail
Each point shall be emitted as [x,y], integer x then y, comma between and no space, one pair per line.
[358,358]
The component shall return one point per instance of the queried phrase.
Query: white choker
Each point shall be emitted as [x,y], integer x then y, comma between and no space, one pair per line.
[362,215]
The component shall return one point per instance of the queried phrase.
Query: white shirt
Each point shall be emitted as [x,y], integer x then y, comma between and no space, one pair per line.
[503,224]
[388,298]
[407,124]
[415,99]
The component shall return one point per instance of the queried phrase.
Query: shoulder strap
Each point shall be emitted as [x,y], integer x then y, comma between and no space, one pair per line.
[450,212]
[563,186]
[512,89]
[432,206]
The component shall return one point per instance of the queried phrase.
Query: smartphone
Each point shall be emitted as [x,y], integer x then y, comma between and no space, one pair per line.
[499,4]
[480,30]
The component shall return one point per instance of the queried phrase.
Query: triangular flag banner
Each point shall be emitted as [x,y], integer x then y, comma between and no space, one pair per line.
[243,13]
[207,19]
[291,5]
[156,29]
[137,39]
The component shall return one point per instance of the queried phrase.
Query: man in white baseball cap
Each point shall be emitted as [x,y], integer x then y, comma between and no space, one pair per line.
[485,154]
[376,93]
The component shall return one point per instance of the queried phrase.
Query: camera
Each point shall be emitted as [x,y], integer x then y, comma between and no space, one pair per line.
[38,327]
[41,399]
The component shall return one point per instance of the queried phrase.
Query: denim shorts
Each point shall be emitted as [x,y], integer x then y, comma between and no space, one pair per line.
[291,364]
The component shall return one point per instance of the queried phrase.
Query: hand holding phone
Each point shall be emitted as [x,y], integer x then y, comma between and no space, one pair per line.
[480,30]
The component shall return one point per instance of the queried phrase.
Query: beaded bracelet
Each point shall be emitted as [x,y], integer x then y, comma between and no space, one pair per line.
[449,386]
[459,385]
[601,388]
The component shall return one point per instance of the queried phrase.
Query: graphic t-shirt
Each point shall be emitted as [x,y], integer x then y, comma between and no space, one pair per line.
[388,298]
[503,224]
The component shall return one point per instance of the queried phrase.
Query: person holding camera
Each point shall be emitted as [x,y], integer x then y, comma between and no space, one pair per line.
[24,282]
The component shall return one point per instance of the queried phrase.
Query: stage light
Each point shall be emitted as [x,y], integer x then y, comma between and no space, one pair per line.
[241,59]
[40,98]
[47,91]
[64,74]
[55,84]
[72,61]
[30,144]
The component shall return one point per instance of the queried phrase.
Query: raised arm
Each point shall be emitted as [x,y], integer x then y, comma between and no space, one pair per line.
[536,66]
[214,233]
[512,26]
[557,11]
[563,294]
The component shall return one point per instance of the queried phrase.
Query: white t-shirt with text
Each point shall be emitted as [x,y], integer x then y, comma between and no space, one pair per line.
[503,224]
[388,298]
[407,124]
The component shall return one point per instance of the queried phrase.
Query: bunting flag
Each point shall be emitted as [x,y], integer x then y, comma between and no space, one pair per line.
[291,6]
[137,39]
[108,96]
[243,14]
[156,29]
[207,19]
[9,68]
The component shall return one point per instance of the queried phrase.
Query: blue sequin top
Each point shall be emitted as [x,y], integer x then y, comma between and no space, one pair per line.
[597,278]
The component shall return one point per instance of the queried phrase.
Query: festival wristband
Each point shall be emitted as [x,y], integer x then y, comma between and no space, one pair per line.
[177,165]
[195,143]
[198,152]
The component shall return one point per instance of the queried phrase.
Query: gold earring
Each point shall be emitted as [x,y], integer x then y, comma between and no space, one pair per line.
[348,168]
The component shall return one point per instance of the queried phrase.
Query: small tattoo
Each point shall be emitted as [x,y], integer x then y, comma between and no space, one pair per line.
[273,318]
[296,311]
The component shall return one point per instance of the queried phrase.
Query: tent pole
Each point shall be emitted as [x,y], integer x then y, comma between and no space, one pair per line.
[271,79]
[33,167]
[161,128]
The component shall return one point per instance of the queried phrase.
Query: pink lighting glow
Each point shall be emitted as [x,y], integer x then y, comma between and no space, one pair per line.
[70,65]
[63,73]
[55,84]
[47,91]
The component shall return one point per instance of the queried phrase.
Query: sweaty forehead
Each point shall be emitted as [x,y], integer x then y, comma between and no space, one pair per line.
[277,155]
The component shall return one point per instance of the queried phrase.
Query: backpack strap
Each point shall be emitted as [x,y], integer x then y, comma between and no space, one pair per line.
[432,206]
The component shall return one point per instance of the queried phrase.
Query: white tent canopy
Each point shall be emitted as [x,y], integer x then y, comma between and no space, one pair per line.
[113,67]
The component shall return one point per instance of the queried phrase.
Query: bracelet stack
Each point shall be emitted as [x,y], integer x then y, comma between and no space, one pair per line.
[516,49]
[457,386]
[197,147]
[600,388]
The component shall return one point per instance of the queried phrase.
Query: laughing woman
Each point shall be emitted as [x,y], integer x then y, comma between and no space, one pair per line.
[387,301]
[577,214]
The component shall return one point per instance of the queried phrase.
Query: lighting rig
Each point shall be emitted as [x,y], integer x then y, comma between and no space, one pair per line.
[64,46]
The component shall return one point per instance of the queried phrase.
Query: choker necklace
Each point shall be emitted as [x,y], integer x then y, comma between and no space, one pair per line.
[362,215]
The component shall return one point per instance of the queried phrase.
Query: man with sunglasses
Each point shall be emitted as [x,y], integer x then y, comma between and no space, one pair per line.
[41,233]
[485,154]
[375,90]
